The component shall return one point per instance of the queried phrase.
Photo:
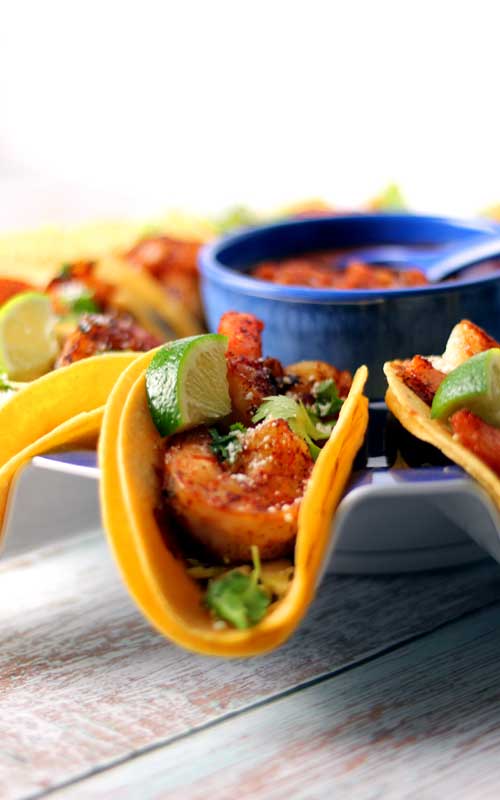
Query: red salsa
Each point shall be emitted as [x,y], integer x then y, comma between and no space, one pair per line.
[322,271]
[335,269]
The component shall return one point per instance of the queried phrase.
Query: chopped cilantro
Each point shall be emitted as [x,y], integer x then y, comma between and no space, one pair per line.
[327,399]
[226,446]
[302,422]
[84,303]
[75,297]
[238,598]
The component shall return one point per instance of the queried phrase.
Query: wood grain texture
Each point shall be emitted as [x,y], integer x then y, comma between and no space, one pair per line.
[85,682]
[421,722]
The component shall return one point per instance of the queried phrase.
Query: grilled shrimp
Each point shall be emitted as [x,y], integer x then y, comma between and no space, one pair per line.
[305,374]
[174,263]
[465,341]
[421,377]
[251,378]
[99,333]
[254,501]
[477,436]
[244,334]
[424,375]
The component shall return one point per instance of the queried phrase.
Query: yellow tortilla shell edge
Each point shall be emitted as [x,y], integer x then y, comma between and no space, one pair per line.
[130,454]
[77,431]
[415,416]
[48,402]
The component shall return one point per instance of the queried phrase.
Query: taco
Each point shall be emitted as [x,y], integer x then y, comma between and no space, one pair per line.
[106,287]
[451,402]
[221,471]
[60,410]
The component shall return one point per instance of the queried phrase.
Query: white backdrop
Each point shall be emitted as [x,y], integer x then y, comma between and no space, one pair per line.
[132,107]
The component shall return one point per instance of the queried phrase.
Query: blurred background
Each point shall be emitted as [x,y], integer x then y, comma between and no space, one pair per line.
[129,108]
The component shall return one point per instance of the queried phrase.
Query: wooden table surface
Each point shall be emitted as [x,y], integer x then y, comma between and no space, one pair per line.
[390,689]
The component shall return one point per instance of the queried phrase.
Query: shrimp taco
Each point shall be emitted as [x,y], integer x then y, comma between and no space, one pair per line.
[221,471]
[66,294]
[452,401]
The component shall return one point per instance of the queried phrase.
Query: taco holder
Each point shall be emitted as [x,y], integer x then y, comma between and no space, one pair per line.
[390,520]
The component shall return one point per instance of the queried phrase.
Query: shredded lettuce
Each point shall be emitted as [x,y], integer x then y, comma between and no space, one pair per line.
[302,422]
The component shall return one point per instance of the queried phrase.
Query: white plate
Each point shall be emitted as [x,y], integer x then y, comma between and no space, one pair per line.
[389,520]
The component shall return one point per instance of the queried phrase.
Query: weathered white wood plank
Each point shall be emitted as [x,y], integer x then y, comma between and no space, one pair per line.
[421,722]
[85,681]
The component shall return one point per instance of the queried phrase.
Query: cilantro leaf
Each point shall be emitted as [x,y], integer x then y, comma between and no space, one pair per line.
[327,399]
[74,296]
[85,303]
[238,598]
[226,446]
[302,422]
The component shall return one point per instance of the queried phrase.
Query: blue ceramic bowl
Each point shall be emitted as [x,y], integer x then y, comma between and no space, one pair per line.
[347,327]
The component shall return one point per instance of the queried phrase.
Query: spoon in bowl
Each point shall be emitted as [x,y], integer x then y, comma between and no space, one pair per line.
[436,265]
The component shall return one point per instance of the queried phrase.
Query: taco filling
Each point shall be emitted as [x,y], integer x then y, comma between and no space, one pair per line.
[231,492]
[173,263]
[452,401]
[221,470]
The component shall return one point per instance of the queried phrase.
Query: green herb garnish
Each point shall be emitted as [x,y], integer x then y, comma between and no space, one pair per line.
[302,422]
[84,304]
[226,446]
[327,399]
[238,598]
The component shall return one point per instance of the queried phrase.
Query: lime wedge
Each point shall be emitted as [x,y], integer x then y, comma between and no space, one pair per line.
[28,345]
[474,385]
[186,383]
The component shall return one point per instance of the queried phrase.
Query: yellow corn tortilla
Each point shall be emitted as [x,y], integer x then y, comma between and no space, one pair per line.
[61,409]
[415,416]
[56,398]
[130,450]
[79,431]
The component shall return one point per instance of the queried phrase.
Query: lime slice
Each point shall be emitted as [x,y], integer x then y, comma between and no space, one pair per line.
[28,345]
[474,385]
[186,383]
